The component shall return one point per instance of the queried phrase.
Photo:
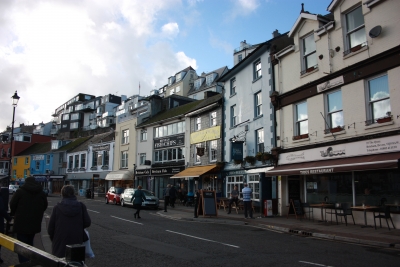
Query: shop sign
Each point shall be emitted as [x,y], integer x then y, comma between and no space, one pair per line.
[230,173]
[142,172]
[237,150]
[38,157]
[316,171]
[360,148]
[330,84]
[209,134]
[167,171]
[101,148]
[178,140]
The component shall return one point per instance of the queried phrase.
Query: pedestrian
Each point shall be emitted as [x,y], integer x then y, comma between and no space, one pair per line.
[166,197]
[27,206]
[138,197]
[234,198]
[196,202]
[246,192]
[3,216]
[172,196]
[67,222]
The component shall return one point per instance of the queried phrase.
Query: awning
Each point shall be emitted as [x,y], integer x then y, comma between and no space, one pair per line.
[259,170]
[119,175]
[370,162]
[194,171]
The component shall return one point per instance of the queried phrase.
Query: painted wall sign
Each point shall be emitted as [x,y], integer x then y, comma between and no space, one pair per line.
[205,135]
[178,140]
[330,84]
[360,148]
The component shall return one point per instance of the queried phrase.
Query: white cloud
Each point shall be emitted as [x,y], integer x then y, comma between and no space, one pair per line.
[170,30]
[242,8]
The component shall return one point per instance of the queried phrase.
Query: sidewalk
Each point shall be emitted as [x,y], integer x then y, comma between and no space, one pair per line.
[381,237]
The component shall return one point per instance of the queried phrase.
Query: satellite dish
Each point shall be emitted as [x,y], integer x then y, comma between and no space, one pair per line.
[375,31]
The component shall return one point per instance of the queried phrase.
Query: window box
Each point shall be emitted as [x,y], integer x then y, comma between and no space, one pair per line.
[105,167]
[82,169]
[302,136]
[384,119]
[355,48]
[250,159]
[94,168]
[336,129]
[310,69]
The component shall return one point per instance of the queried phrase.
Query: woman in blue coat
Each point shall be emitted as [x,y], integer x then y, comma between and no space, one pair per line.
[138,197]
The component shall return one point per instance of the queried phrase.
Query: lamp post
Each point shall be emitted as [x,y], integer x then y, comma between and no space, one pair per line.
[15,99]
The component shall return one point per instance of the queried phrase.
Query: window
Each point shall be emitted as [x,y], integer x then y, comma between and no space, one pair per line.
[172,91]
[213,118]
[100,158]
[75,116]
[258,104]
[233,86]
[125,137]
[76,161]
[47,159]
[94,158]
[142,158]
[233,116]
[209,79]
[231,181]
[198,158]
[15,161]
[106,158]
[257,70]
[14,173]
[124,159]
[177,89]
[378,97]
[37,165]
[240,58]
[254,185]
[143,135]
[301,119]
[335,109]
[198,124]
[26,160]
[355,28]
[170,154]
[260,140]
[61,158]
[25,173]
[213,150]
[83,161]
[197,83]
[65,117]
[73,125]
[309,53]
[171,129]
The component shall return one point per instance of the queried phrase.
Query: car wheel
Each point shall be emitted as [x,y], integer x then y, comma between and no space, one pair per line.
[122,203]
[106,200]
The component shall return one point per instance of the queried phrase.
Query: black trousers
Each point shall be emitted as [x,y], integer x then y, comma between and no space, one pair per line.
[166,202]
[138,208]
[247,209]
[236,200]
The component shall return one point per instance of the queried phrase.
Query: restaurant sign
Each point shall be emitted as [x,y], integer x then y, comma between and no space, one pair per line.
[143,172]
[178,140]
[167,171]
[316,171]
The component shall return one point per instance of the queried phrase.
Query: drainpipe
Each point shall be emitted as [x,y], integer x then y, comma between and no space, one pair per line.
[330,54]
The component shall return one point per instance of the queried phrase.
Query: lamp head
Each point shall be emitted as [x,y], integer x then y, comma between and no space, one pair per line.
[15,99]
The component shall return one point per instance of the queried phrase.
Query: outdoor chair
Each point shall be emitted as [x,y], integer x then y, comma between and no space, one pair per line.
[308,210]
[344,211]
[384,214]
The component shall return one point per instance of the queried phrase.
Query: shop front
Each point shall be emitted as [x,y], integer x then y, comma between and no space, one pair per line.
[364,172]
[53,183]
[143,178]
[121,178]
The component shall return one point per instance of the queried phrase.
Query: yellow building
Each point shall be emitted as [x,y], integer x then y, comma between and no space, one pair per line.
[20,167]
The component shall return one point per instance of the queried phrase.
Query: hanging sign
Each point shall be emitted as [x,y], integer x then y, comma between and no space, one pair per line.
[237,150]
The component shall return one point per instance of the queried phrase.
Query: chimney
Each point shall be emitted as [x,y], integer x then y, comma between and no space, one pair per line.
[275,34]
[208,94]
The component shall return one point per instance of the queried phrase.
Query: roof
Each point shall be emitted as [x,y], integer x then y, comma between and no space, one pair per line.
[99,138]
[203,85]
[206,102]
[305,16]
[37,148]
[73,144]
[169,114]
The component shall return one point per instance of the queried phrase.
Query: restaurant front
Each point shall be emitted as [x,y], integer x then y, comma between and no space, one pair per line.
[359,173]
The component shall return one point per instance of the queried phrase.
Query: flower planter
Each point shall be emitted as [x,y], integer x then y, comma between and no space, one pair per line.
[336,129]
[382,120]
[302,136]
[251,160]
[356,48]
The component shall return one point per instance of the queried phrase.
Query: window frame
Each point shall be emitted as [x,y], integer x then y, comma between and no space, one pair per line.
[125,137]
[47,159]
[142,158]
[82,160]
[213,118]
[213,150]
[143,135]
[297,123]
[304,56]
[197,124]
[257,69]
[348,32]
[124,160]
[370,103]
[258,104]
[330,113]
[260,144]
[233,86]
[233,118]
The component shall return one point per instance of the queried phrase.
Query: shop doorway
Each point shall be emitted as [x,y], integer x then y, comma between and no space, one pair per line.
[294,189]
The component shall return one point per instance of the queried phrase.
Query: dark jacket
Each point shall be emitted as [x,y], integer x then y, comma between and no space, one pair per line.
[173,192]
[27,206]
[67,221]
[138,197]
[3,214]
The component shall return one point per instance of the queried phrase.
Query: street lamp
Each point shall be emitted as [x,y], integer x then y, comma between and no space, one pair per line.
[15,99]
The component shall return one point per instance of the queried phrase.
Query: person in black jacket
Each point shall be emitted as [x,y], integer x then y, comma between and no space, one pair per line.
[137,198]
[196,202]
[172,196]
[27,206]
[3,215]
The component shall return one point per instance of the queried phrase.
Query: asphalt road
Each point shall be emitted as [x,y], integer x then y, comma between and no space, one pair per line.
[118,239]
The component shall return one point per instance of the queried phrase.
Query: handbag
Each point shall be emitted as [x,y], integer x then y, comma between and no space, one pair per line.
[88,249]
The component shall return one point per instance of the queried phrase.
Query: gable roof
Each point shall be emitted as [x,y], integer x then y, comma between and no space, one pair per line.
[205,104]
[203,85]
[98,138]
[304,15]
[37,148]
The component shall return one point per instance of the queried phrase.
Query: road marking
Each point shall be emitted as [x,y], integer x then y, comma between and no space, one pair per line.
[93,211]
[126,220]
[229,245]
[317,264]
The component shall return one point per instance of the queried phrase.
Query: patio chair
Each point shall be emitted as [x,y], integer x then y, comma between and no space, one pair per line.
[308,210]
[344,211]
[383,214]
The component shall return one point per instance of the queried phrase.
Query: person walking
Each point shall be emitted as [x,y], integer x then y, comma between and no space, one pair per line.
[246,192]
[196,202]
[138,197]
[3,216]
[27,205]
[166,197]
[234,198]
[172,196]
[67,222]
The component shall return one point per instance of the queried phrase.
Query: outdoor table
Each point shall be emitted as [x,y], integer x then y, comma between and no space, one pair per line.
[223,202]
[322,206]
[365,209]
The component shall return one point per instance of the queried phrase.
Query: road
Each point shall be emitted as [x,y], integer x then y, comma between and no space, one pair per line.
[158,240]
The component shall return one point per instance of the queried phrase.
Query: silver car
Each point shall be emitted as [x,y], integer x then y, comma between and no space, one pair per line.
[151,200]
[12,188]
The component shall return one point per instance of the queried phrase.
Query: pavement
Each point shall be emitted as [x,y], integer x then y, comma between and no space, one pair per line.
[357,234]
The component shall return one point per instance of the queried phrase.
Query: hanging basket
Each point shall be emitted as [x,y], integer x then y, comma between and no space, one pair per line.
[250,159]
[237,161]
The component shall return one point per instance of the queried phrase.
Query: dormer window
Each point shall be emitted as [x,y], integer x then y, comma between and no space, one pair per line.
[171,80]
[197,83]
[210,79]
[179,76]
[54,144]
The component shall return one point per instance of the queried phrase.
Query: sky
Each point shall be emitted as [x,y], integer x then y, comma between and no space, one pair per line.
[51,50]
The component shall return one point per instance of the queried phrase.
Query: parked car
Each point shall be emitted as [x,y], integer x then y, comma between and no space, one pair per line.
[151,200]
[113,195]
[12,188]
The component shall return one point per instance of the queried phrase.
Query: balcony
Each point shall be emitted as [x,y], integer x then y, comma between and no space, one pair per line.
[108,114]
